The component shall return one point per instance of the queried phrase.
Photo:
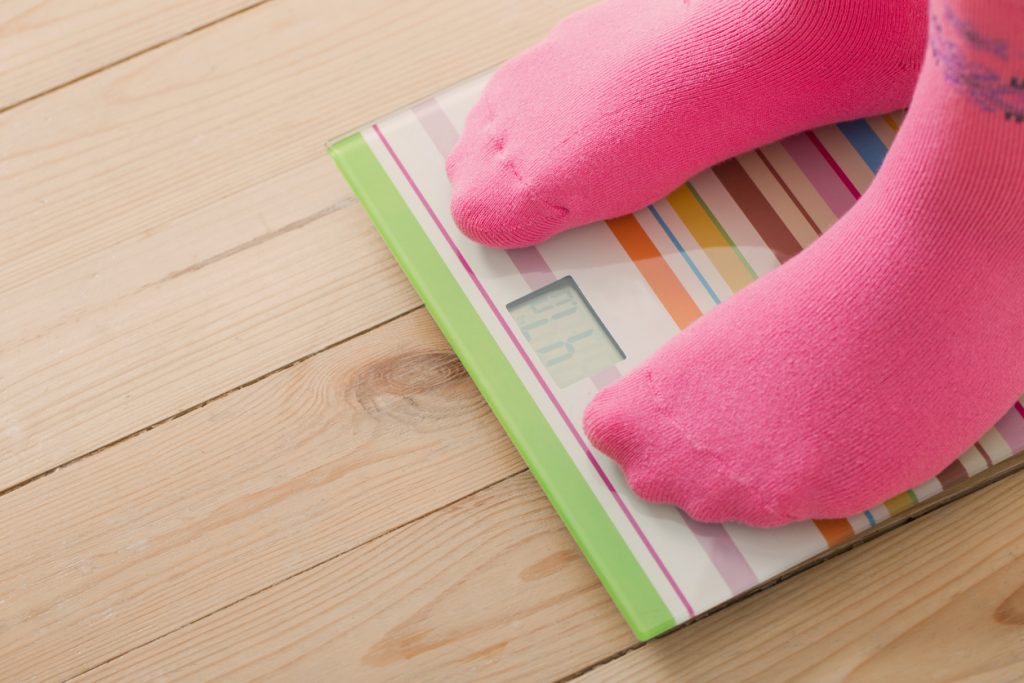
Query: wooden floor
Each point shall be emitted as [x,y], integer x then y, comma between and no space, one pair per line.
[234,445]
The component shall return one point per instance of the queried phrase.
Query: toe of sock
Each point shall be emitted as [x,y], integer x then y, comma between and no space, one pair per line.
[623,423]
[662,464]
[492,202]
[617,421]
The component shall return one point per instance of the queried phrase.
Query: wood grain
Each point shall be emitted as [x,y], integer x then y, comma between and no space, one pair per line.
[200,512]
[166,163]
[191,329]
[493,589]
[47,43]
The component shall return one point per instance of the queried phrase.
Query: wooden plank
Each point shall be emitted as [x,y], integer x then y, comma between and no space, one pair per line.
[189,328]
[242,493]
[493,589]
[180,160]
[46,43]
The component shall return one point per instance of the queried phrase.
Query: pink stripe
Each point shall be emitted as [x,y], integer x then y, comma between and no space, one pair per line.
[439,128]
[724,554]
[540,380]
[531,265]
[818,172]
[834,164]
[1011,428]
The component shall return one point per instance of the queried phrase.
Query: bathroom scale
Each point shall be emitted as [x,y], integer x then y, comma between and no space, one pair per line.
[541,330]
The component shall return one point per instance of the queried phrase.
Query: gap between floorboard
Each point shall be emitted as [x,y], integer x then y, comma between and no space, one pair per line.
[311,567]
[96,451]
[133,55]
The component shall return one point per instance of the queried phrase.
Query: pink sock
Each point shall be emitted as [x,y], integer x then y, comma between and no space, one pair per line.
[628,99]
[873,359]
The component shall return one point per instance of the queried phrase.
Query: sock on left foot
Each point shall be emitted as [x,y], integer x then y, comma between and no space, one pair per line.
[627,99]
[869,362]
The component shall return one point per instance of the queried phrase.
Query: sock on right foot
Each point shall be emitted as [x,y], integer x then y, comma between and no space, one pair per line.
[870,361]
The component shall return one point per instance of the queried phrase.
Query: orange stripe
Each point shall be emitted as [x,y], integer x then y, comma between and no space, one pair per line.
[835,531]
[891,120]
[715,243]
[652,266]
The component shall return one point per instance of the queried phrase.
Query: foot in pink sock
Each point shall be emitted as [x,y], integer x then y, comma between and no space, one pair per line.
[873,359]
[625,101]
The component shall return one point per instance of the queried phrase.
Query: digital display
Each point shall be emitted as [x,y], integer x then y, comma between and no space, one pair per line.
[564,332]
